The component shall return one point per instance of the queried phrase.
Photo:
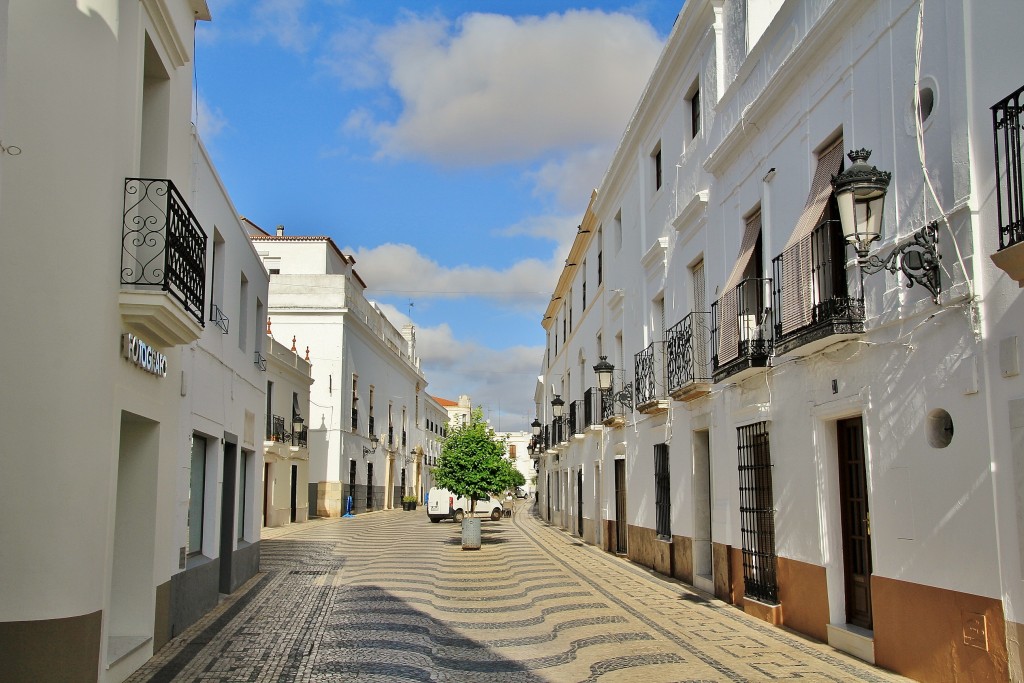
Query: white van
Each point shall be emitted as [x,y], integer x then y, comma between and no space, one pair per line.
[443,504]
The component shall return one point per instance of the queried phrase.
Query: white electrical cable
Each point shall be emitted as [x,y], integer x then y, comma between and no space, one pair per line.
[919,135]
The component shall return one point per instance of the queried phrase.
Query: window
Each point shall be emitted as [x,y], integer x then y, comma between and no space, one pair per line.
[372,430]
[584,284]
[270,410]
[600,256]
[355,403]
[662,493]
[243,310]
[617,225]
[512,451]
[570,310]
[275,271]
[757,513]
[656,167]
[695,110]
[261,322]
[196,495]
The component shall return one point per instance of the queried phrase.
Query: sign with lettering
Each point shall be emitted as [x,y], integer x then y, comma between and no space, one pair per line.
[143,355]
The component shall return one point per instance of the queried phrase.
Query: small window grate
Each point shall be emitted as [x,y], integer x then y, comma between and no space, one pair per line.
[662,493]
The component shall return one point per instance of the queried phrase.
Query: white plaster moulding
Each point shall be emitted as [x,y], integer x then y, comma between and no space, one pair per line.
[692,211]
[771,97]
[657,252]
[168,35]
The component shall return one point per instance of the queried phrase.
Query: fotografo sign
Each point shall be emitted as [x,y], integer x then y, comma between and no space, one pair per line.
[143,355]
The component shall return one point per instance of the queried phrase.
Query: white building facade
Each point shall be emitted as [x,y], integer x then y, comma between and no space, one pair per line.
[366,440]
[126,268]
[833,456]
[286,436]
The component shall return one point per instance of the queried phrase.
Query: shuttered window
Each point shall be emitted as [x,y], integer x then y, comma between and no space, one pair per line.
[798,294]
[729,322]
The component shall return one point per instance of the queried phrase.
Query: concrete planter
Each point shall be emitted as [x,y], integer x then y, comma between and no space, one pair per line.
[471,533]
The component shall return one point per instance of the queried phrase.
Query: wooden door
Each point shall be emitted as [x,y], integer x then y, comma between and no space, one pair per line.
[856,521]
[621,527]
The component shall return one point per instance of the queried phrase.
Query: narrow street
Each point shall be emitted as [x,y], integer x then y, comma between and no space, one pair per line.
[388,596]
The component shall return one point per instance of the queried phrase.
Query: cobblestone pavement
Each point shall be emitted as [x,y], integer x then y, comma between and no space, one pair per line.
[388,596]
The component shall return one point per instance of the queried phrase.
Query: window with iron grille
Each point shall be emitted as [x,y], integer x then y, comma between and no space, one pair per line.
[662,493]
[757,513]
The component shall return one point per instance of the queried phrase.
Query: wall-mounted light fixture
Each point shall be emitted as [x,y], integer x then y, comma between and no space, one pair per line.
[557,406]
[374,440]
[535,426]
[860,195]
[605,371]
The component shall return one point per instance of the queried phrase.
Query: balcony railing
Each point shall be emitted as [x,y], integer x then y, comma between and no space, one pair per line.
[741,332]
[613,412]
[162,243]
[688,356]
[576,421]
[300,439]
[651,379]
[811,305]
[277,431]
[592,407]
[558,432]
[1006,131]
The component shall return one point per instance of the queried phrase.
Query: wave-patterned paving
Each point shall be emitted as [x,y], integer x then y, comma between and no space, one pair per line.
[390,597]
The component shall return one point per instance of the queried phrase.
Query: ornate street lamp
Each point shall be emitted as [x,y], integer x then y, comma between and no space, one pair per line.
[605,371]
[557,406]
[374,440]
[535,425]
[860,196]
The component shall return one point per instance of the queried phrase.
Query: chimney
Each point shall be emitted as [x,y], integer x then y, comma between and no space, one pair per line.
[280,231]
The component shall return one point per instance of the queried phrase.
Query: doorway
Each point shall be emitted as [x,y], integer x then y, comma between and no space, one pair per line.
[227,516]
[295,491]
[703,570]
[856,520]
[579,502]
[621,527]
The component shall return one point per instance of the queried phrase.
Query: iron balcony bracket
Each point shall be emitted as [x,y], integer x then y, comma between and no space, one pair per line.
[918,259]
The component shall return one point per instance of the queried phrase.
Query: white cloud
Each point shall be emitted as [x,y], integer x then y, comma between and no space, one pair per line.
[401,268]
[493,89]
[282,21]
[572,178]
[209,121]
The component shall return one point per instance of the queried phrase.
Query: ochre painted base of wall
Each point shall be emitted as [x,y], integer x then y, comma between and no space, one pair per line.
[803,592]
[682,558]
[770,613]
[647,549]
[328,499]
[933,634]
[1015,647]
[51,649]
[721,566]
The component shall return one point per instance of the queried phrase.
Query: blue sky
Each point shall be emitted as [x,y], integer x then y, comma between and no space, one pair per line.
[451,147]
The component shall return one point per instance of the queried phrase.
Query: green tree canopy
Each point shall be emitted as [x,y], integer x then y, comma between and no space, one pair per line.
[472,462]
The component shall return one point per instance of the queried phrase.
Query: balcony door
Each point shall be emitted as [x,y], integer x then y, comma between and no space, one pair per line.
[856,519]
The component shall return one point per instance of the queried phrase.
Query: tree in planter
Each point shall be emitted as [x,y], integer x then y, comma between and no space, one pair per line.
[472,462]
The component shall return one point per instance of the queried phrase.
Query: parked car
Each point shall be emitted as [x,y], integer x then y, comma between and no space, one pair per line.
[443,504]
[521,492]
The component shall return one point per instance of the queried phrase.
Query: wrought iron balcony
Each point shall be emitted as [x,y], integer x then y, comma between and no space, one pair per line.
[592,407]
[651,379]
[741,332]
[688,356]
[614,404]
[163,247]
[300,438]
[558,431]
[1009,158]
[277,430]
[811,304]
[577,424]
